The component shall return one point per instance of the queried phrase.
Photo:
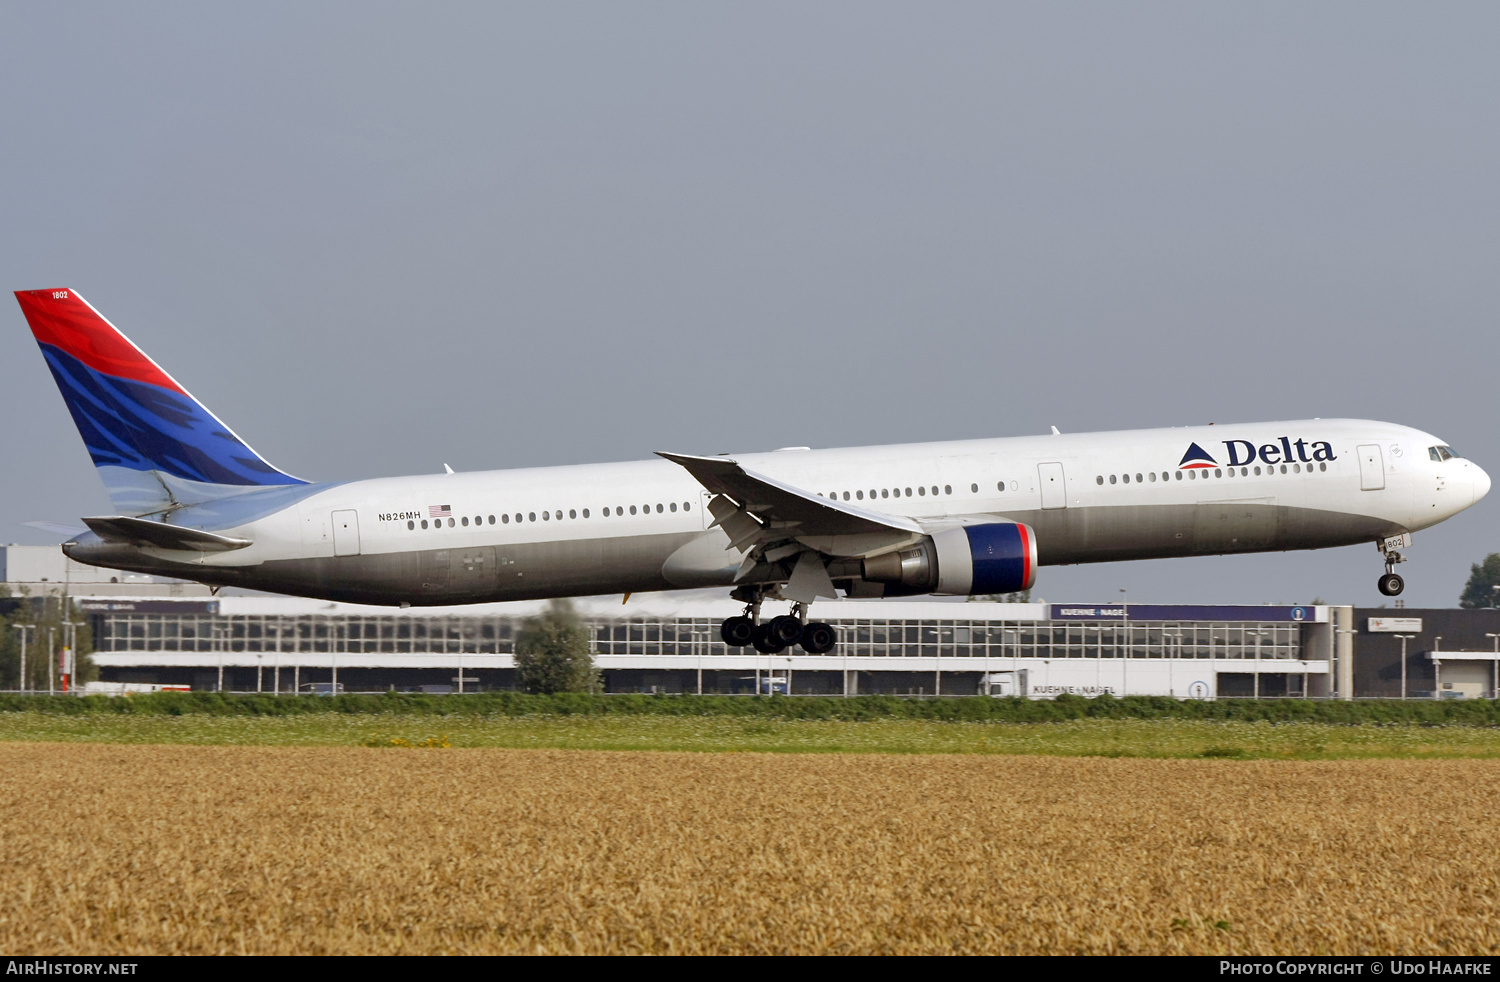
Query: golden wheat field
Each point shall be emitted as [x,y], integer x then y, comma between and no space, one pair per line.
[192,849]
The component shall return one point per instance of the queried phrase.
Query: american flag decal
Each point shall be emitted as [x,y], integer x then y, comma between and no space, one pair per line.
[439,511]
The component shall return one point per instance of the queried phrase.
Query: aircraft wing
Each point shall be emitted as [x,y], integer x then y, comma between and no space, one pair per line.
[141,531]
[782,506]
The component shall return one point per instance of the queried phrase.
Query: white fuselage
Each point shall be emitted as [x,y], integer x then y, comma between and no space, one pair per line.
[614,527]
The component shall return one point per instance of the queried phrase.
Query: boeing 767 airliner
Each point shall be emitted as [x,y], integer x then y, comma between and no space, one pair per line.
[969,517]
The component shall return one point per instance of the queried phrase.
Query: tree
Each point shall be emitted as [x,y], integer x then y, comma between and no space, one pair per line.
[1483,578]
[47,618]
[554,652]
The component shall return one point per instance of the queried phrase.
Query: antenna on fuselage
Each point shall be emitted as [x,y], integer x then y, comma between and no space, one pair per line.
[1056,431]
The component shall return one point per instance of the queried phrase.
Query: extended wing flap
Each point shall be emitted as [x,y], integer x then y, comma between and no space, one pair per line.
[801,512]
[141,531]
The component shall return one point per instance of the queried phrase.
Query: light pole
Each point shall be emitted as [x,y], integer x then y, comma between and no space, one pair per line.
[23,628]
[1171,640]
[1405,638]
[1257,635]
[1495,694]
[700,641]
[51,666]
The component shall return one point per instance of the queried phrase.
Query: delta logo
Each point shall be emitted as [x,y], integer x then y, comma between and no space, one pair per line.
[1240,452]
[1196,459]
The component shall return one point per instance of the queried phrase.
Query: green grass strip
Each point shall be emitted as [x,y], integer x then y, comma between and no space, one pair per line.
[1461,712]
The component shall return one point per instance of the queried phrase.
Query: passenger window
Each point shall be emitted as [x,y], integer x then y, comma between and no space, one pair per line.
[1283,468]
[947,489]
[1000,485]
[885,492]
[544,516]
[1138,479]
[572,513]
[1296,468]
[974,488]
[1124,478]
[532,515]
[1322,466]
[424,523]
[1097,480]
[1113,479]
[846,495]
[659,508]
[908,492]
[1153,477]
[1218,473]
[1192,475]
[505,519]
[860,495]
[687,506]
[606,511]
[411,525]
[450,523]
[922,491]
[673,506]
[632,509]
[466,521]
[585,513]
[934,490]
[492,519]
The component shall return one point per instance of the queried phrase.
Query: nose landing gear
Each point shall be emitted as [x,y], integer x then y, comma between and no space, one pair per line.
[1390,584]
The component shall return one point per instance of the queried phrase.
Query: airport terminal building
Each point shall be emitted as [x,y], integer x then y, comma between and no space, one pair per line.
[163,633]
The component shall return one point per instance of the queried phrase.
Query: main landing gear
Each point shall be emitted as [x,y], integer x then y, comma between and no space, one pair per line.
[1390,584]
[779,633]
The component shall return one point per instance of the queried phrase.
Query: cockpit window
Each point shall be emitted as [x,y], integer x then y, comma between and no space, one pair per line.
[1442,453]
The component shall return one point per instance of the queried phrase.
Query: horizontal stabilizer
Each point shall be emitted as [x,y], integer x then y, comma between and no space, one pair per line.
[140,531]
[55,528]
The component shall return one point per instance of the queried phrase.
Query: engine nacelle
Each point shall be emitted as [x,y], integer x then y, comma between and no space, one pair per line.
[963,561]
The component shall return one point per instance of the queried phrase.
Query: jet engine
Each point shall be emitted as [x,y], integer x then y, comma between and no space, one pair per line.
[998,557]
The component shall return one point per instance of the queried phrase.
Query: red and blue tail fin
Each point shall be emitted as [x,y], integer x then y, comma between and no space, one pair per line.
[155,445]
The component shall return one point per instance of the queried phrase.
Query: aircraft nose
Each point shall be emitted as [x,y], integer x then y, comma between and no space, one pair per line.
[1481,482]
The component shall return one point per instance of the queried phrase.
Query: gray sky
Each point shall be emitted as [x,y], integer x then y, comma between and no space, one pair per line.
[374,238]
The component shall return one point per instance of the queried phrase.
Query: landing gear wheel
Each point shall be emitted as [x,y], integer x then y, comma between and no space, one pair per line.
[737,632]
[819,638]
[784,630]
[1391,585]
[763,643]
